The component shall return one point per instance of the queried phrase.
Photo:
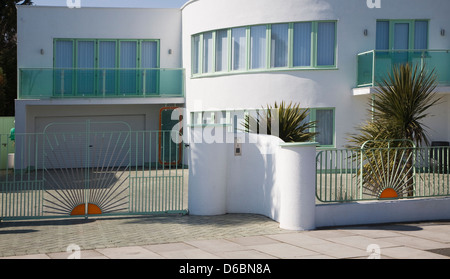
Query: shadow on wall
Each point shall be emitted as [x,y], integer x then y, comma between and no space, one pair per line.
[223,181]
[267,177]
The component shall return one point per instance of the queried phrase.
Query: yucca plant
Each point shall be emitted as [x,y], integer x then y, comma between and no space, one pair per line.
[402,100]
[291,120]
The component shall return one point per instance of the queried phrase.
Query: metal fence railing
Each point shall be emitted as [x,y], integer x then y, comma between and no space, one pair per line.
[346,175]
[92,173]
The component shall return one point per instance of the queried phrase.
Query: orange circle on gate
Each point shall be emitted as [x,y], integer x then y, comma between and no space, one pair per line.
[80,209]
[388,193]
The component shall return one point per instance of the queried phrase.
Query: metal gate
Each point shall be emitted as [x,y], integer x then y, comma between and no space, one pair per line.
[94,168]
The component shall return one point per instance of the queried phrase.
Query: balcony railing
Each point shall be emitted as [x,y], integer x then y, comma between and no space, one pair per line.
[374,65]
[100,83]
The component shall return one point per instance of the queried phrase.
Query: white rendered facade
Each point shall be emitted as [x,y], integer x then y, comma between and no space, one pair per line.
[41,28]
[331,87]
[321,86]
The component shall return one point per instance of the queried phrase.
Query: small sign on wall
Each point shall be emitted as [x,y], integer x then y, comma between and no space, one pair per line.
[237,147]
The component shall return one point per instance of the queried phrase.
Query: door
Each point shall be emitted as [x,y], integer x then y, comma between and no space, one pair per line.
[401,42]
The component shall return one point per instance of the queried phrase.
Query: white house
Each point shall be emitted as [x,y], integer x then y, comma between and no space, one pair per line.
[125,64]
[102,71]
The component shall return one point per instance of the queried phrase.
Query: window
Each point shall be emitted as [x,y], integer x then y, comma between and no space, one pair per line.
[302,44]
[421,34]
[324,117]
[324,126]
[107,61]
[238,48]
[382,35]
[279,45]
[221,50]
[325,43]
[90,66]
[258,41]
[86,64]
[196,55]
[299,45]
[207,52]
[402,34]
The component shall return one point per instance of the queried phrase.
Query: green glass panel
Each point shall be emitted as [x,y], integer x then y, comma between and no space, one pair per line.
[61,83]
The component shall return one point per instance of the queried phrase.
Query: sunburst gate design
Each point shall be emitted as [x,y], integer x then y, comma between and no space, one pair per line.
[387,169]
[86,172]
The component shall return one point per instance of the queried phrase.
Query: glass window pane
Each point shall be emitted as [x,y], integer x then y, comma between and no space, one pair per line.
[85,65]
[128,63]
[324,126]
[149,54]
[325,43]
[196,55]
[63,59]
[258,47]
[64,54]
[302,44]
[421,34]
[238,48]
[221,50]
[149,64]
[401,36]
[85,55]
[279,45]
[107,62]
[207,52]
[107,54]
[128,54]
[382,36]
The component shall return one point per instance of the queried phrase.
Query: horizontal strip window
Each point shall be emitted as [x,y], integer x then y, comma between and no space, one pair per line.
[324,118]
[106,53]
[281,46]
[120,60]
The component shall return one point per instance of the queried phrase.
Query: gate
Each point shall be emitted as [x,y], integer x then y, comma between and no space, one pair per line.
[98,168]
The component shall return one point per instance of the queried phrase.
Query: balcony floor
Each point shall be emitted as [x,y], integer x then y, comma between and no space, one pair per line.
[372,90]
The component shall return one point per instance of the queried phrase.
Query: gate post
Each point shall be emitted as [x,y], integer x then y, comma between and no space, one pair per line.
[296,176]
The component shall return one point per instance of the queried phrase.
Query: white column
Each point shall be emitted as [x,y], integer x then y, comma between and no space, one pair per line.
[296,176]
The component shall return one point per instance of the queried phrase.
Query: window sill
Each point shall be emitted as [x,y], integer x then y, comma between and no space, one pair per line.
[261,71]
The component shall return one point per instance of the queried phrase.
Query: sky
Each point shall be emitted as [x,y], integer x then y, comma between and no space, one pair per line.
[114,3]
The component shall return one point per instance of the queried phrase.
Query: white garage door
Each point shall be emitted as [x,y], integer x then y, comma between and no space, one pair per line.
[88,142]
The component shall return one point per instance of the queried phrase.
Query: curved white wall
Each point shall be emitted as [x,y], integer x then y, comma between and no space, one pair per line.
[264,179]
[312,88]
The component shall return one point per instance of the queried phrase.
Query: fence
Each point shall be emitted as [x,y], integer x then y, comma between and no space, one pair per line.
[347,175]
[93,173]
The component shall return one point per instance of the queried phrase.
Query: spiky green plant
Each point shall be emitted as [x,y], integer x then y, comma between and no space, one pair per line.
[291,120]
[402,101]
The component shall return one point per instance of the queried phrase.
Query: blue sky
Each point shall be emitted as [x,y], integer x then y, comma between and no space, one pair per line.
[115,3]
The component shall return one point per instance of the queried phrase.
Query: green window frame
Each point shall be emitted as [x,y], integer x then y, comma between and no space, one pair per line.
[329,129]
[412,25]
[198,49]
[224,118]
[94,74]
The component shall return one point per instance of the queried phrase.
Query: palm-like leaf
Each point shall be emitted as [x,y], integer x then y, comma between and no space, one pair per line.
[403,100]
[401,103]
[291,121]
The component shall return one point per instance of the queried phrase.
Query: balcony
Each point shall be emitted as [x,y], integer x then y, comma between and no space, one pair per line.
[375,65]
[41,83]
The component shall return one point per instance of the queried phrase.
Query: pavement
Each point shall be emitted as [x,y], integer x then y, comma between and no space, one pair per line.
[230,236]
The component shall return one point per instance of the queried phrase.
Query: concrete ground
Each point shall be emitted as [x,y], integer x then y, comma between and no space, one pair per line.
[230,236]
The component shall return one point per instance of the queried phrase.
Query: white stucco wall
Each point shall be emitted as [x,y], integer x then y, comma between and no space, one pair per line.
[377,212]
[37,26]
[269,177]
[312,88]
